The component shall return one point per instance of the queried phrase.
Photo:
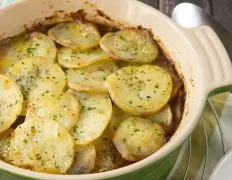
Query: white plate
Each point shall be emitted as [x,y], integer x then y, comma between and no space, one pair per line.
[223,170]
[6,2]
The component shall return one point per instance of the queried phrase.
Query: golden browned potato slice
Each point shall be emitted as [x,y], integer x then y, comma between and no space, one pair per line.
[131,45]
[5,143]
[118,116]
[76,35]
[73,58]
[84,160]
[140,90]
[94,118]
[37,75]
[105,155]
[163,117]
[11,101]
[40,44]
[137,138]
[27,45]
[60,107]
[92,77]
[41,145]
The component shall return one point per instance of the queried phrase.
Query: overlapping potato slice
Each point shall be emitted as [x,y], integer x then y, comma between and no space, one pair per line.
[41,145]
[5,143]
[118,116]
[40,44]
[84,160]
[37,75]
[170,67]
[105,155]
[92,77]
[11,100]
[137,138]
[163,117]
[73,58]
[140,90]
[60,107]
[131,45]
[94,117]
[26,45]
[77,35]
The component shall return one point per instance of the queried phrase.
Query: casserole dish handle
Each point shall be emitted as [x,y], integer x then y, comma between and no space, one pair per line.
[216,63]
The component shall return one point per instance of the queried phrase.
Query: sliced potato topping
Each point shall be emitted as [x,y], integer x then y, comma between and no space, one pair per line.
[5,143]
[94,118]
[137,138]
[37,75]
[41,145]
[140,90]
[105,155]
[26,45]
[92,77]
[84,160]
[163,117]
[131,45]
[73,58]
[60,107]
[42,45]
[11,101]
[76,35]
[118,116]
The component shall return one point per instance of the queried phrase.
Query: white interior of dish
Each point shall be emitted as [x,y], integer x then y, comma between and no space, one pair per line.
[175,39]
